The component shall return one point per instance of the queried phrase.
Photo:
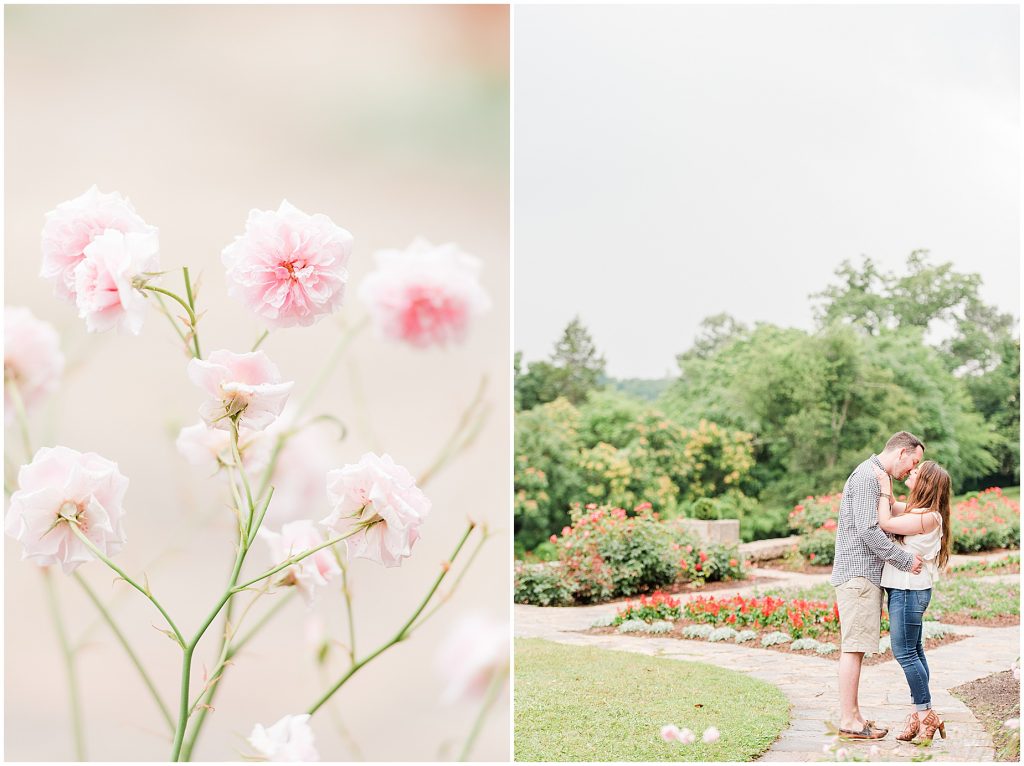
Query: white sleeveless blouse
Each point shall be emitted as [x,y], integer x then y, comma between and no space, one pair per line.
[927,547]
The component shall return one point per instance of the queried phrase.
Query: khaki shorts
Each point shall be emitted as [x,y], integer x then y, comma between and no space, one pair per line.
[860,614]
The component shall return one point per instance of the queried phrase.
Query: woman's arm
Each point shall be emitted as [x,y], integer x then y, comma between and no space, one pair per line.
[913,523]
[898,508]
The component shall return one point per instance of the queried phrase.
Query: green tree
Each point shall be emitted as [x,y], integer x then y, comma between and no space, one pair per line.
[574,370]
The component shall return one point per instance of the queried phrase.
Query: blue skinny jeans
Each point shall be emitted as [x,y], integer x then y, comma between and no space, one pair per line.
[906,620]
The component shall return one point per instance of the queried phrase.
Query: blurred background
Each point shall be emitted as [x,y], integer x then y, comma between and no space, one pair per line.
[391,120]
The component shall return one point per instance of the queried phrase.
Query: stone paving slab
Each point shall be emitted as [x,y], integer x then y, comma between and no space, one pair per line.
[811,683]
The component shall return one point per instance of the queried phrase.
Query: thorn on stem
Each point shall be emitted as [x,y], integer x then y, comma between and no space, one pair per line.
[446,566]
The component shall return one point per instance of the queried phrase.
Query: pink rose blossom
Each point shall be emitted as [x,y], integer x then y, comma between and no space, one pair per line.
[105,290]
[60,485]
[424,295]
[313,571]
[474,654]
[381,499]
[298,477]
[210,448]
[686,737]
[289,268]
[711,735]
[32,359]
[247,386]
[290,739]
[74,224]
[670,732]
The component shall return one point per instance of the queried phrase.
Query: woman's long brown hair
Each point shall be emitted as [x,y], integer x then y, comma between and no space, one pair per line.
[932,492]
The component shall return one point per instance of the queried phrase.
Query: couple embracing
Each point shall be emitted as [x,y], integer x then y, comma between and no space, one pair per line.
[895,551]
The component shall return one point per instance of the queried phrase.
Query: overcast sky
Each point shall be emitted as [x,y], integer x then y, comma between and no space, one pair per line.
[676,162]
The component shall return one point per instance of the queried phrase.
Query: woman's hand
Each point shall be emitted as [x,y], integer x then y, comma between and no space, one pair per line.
[884,481]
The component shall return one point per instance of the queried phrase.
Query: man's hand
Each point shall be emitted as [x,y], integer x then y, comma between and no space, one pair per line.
[918,565]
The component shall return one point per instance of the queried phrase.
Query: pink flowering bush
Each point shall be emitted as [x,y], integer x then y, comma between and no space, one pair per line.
[276,478]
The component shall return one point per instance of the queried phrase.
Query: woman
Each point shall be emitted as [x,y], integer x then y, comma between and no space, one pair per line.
[921,526]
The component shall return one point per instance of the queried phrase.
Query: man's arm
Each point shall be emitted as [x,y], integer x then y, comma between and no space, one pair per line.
[865,498]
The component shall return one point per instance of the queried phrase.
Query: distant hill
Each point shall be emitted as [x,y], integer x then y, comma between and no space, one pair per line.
[647,389]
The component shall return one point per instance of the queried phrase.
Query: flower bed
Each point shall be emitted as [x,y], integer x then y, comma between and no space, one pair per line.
[1003,565]
[982,521]
[609,553]
[799,617]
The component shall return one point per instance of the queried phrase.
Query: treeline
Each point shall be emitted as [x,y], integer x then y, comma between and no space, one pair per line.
[773,414]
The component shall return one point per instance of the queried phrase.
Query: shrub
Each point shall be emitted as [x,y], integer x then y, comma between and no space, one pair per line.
[632,626]
[658,606]
[541,585]
[825,648]
[722,634]
[984,521]
[700,562]
[776,637]
[697,631]
[815,513]
[658,627]
[604,621]
[608,553]
[745,635]
[805,644]
[818,547]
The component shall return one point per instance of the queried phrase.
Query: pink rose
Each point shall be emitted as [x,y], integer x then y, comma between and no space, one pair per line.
[290,739]
[32,359]
[711,735]
[424,295]
[210,448]
[670,732]
[381,499]
[74,224]
[243,386]
[298,477]
[313,571]
[686,737]
[473,655]
[62,485]
[289,268]
[105,280]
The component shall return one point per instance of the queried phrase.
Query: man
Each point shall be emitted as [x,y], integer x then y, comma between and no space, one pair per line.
[861,550]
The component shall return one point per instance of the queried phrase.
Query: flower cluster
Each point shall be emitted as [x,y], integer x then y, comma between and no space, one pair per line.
[702,563]
[797,616]
[97,251]
[986,521]
[657,606]
[672,733]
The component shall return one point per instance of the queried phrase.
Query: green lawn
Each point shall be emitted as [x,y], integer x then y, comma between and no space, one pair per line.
[952,594]
[576,703]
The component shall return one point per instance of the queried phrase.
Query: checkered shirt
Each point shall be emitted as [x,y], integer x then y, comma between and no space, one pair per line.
[861,547]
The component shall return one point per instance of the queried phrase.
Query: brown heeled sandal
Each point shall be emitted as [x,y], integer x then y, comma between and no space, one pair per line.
[911,726]
[930,724]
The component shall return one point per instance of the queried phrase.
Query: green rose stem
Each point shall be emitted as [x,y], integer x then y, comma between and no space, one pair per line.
[469,424]
[121,573]
[332,361]
[69,664]
[259,340]
[444,598]
[189,307]
[128,649]
[493,689]
[403,632]
[174,322]
[183,703]
[21,415]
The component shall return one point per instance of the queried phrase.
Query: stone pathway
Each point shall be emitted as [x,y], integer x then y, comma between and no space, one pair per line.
[810,683]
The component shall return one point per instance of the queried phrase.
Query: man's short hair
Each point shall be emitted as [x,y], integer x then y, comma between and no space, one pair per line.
[903,440]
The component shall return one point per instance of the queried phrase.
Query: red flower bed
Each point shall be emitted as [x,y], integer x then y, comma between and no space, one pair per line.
[657,606]
[798,617]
